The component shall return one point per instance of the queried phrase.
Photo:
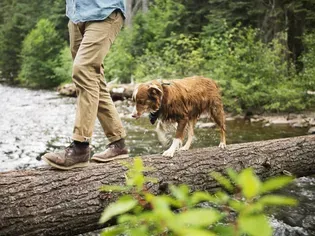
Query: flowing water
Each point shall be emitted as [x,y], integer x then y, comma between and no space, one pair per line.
[35,122]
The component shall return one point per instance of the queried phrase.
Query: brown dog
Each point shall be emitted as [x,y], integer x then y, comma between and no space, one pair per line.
[181,101]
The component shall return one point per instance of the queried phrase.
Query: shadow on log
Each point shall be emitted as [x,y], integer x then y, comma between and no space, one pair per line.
[50,202]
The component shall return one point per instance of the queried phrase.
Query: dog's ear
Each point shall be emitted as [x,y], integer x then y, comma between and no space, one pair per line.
[154,91]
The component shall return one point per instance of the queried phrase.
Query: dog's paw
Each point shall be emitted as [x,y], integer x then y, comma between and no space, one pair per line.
[222,145]
[168,153]
[183,148]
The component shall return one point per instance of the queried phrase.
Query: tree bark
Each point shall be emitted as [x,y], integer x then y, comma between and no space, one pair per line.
[44,201]
[128,21]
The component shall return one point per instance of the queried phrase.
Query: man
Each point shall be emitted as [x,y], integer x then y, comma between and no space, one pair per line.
[93,27]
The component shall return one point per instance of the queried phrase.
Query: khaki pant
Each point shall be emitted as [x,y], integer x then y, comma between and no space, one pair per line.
[89,43]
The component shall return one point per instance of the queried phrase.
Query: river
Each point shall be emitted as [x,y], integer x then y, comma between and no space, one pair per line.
[33,122]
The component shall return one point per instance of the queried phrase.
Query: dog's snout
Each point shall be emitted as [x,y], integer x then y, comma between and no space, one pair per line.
[134,113]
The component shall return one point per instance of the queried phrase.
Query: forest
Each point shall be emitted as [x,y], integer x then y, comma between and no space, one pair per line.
[260,51]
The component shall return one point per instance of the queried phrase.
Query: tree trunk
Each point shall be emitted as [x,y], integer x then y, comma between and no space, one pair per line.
[145,6]
[50,202]
[296,27]
[128,20]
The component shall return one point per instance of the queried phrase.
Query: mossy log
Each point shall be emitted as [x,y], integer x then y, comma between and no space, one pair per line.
[45,201]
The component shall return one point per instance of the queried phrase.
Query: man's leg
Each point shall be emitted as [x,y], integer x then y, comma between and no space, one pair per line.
[93,97]
[77,154]
[87,76]
[108,115]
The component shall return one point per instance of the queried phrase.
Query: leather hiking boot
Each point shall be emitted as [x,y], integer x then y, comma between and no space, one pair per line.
[114,151]
[75,156]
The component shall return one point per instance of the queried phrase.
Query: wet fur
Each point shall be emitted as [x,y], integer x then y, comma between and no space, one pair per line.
[182,101]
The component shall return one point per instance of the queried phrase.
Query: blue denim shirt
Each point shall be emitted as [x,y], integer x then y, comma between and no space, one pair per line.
[92,10]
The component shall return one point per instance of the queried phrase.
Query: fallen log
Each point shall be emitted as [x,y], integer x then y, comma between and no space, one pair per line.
[44,201]
[117,91]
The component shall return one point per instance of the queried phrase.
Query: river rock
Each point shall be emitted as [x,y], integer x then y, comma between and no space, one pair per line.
[205,125]
[300,125]
[256,119]
[67,90]
[279,121]
[292,116]
[229,118]
[311,122]
[309,222]
[311,130]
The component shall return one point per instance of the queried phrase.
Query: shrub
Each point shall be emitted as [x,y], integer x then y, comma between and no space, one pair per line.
[249,71]
[141,213]
[119,63]
[308,74]
[180,57]
[39,56]
[63,70]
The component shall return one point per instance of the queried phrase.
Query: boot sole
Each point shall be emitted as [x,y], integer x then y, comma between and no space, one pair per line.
[99,159]
[78,165]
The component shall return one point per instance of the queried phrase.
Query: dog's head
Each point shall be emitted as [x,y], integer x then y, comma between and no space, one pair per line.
[147,98]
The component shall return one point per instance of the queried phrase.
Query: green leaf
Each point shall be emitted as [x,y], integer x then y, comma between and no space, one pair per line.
[193,232]
[160,203]
[255,225]
[254,208]
[172,201]
[224,230]
[249,183]
[225,182]
[113,231]
[122,219]
[114,188]
[232,174]
[277,200]
[119,207]
[140,231]
[276,183]
[161,208]
[198,217]
[202,197]
[138,164]
[222,197]
[236,205]
[180,193]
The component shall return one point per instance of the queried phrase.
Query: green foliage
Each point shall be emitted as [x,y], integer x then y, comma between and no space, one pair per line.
[139,212]
[119,62]
[40,50]
[308,74]
[17,19]
[179,57]
[252,74]
[63,69]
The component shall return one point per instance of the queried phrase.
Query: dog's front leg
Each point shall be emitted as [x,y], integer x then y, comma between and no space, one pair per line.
[177,141]
[190,133]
